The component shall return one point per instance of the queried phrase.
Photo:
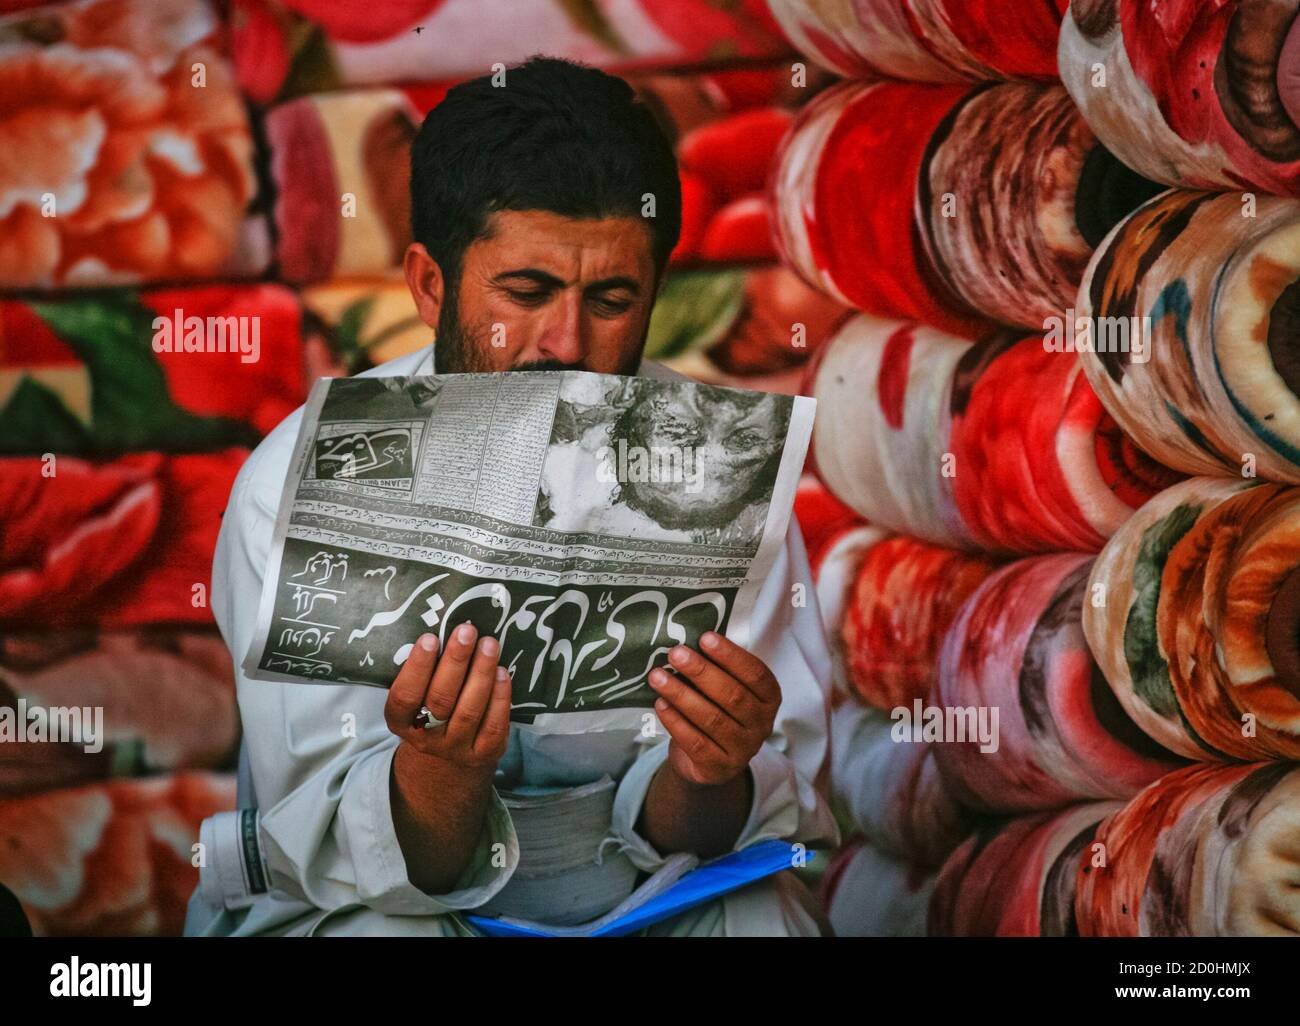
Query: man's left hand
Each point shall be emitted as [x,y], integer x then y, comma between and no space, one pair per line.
[718,709]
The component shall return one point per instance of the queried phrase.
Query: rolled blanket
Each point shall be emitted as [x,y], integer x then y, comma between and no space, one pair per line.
[861,245]
[122,543]
[822,519]
[1018,647]
[835,573]
[129,171]
[1010,228]
[953,232]
[836,539]
[867,893]
[1017,878]
[1208,851]
[926,40]
[340,163]
[112,859]
[1001,447]
[883,390]
[1192,617]
[137,702]
[288,47]
[903,598]
[1212,284]
[1037,464]
[175,370]
[1189,93]
[892,791]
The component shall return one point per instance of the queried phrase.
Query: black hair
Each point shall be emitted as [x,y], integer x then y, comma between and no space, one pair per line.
[556,136]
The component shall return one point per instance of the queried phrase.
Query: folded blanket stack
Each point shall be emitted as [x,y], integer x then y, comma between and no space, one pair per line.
[117,543]
[1002,447]
[728,314]
[742,327]
[289,47]
[112,859]
[137,157]
[166,696]
[140,357]
[138,365]
[191,369]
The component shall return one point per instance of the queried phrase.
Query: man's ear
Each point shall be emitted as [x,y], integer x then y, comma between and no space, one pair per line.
[424,279]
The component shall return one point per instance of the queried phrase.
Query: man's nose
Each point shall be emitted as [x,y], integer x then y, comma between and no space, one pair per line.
[564,337]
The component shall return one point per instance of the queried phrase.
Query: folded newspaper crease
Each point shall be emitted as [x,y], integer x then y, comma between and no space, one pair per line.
[588,522]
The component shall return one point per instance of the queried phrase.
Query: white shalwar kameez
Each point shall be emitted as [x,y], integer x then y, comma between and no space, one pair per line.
[333,859]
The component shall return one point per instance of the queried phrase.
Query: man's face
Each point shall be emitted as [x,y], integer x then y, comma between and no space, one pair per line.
[547,292]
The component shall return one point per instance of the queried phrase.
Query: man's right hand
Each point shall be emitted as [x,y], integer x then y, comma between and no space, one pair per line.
[441,780]
[467,687]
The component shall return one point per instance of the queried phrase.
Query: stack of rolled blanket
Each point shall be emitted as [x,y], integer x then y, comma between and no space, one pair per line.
[867,893]
[1207,851]
[1018,878]
[953,232]
[1187,323]
[1155,620]
[1018,647]
[1194,621]
[1002,447]
[903,597]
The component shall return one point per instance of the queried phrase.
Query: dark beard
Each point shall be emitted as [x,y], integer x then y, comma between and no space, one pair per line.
[454,352]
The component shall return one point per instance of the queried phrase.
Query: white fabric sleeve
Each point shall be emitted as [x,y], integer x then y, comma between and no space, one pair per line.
[321,754]
[790,770]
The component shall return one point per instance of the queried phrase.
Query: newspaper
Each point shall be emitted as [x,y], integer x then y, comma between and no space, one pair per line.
[588,522]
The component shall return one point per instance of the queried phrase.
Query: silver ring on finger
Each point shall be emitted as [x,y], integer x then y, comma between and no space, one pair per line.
[424,718]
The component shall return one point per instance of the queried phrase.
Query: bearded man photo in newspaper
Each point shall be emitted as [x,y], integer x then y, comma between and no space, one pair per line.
[388,810]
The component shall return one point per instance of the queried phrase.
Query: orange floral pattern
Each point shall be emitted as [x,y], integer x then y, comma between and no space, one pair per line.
[125,150]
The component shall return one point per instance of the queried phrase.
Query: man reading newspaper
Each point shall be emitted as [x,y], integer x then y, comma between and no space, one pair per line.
[380,808]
